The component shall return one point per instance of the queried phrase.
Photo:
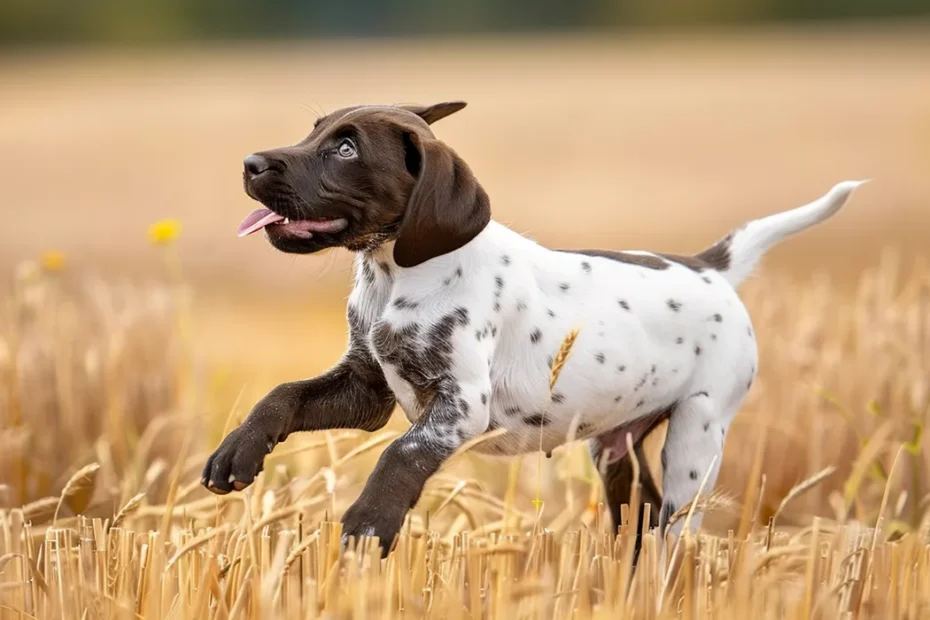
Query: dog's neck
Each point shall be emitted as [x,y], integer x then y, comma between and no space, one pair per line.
[381,257]
[379,260]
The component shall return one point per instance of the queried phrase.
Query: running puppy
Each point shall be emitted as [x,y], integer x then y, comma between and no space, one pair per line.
[457,319]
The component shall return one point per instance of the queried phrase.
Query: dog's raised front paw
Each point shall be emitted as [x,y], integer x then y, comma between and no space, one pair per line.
[234,465]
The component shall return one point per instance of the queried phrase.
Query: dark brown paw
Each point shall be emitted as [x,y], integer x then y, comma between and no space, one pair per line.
[364,519]
[234,465]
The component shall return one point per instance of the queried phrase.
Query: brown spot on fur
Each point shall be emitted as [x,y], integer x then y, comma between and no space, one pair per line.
[649,261]
[537,419]
[402,303]
[422,358]
[368,273]
[716,257]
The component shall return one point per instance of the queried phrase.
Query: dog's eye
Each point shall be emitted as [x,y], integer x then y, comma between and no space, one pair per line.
[346,149]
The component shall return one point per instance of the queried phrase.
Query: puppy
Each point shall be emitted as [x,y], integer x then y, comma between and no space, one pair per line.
[457,319]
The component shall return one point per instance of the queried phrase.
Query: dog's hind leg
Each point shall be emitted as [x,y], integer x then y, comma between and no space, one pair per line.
[693,447]
[618,480]
[615,464]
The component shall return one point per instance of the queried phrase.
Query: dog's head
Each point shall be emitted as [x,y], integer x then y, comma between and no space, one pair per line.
[366,175]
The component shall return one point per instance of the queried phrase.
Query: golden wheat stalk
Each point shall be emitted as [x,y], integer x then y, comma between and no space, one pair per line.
[128,509]
[78,489]
[718,499]
[197,542]
[561,357]
[40,510]
[803,487]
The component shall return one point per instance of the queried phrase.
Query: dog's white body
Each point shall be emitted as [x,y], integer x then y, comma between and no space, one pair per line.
[651,338]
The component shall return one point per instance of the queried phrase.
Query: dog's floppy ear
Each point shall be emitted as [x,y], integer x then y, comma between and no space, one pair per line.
[435,112]
[447,207]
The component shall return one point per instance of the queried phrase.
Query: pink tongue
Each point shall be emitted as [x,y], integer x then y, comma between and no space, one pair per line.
[258,219]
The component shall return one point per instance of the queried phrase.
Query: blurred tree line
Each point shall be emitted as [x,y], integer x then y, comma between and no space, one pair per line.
[49,21]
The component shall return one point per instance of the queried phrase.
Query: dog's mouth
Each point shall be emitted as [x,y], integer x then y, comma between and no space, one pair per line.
[260,219]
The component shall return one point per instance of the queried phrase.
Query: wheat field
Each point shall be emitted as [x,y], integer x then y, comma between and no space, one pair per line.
[124,359]
[820,511]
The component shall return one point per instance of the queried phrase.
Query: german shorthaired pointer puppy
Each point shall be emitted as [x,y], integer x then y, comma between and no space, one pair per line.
[457,318]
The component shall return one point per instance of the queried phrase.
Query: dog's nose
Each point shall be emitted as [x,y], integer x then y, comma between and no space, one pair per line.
[255,165]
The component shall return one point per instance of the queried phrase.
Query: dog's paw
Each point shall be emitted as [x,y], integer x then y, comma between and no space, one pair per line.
[234,465]
[364,519]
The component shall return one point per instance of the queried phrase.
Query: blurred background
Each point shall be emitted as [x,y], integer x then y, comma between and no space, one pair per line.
[624,123]
[641,124]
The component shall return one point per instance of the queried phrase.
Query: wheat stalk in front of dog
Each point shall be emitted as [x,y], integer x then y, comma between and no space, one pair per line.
[557,364]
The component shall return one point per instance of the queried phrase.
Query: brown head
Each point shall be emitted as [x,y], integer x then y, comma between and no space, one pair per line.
[366,175]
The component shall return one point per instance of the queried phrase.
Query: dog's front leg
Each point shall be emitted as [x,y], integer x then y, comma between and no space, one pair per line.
[408,462]
[352,394]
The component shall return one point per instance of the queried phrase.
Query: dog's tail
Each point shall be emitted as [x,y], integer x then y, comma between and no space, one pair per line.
[736,255]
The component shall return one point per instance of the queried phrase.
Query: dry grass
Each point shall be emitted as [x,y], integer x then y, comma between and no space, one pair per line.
[106,423]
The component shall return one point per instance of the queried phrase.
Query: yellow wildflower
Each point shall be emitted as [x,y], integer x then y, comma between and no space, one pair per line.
[164,232]
[53,260]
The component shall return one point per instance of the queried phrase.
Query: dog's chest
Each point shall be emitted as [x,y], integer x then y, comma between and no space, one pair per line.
[416,330]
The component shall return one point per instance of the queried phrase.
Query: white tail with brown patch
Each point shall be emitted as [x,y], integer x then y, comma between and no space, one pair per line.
[742,249]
